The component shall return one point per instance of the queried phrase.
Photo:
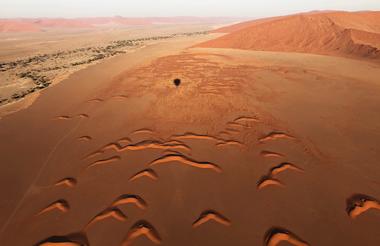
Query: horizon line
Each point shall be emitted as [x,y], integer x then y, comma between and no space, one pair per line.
[184,16]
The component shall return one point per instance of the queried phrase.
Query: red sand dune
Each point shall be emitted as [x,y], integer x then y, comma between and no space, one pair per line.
[242,25]
[333,33]
[18,26]
[38,24]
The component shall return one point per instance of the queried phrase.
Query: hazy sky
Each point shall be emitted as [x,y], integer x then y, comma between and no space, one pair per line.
[238,8]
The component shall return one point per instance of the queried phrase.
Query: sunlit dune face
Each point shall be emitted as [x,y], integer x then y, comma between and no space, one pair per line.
[59,244]
[336,33]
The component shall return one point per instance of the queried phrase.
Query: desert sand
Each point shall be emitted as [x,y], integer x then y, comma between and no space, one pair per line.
[253,147]
[332,33]
[31,62]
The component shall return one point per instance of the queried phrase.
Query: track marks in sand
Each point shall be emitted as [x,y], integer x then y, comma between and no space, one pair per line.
[142,228]
[275,136]
[74,239]
[68,182]
[130,199]
[276,235]
[149,173]
[60,205]
[104,161]
[209,215]
[359,203]
[185,161]
[113,212]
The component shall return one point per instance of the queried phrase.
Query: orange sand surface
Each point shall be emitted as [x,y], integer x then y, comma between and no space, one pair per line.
[253,148]
[334,33]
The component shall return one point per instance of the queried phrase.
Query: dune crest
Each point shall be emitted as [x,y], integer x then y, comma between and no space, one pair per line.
[355,34]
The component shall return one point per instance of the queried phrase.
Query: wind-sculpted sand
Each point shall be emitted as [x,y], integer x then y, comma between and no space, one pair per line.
[142,228]
[252,148]
[209,215]
[359,203]
[114,213]
[276,235]
[133,199]
[61,205]
[73,239]
[333,33]
[68,182]
[149,173]
[186,161]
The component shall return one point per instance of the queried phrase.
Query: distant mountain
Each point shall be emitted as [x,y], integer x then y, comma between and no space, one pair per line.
[39,24]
